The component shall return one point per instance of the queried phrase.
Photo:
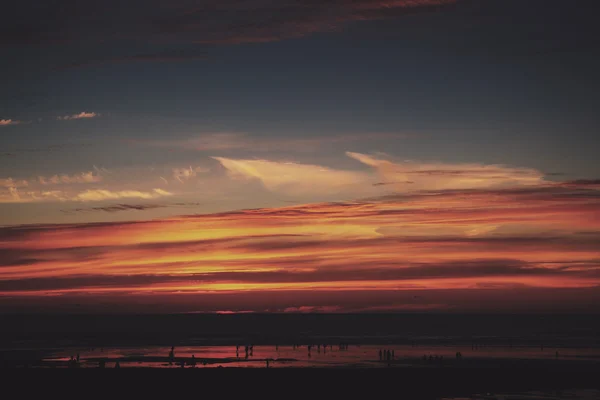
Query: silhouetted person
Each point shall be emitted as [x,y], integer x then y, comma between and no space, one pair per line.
[193,361]
[380,355]
[77,357]
[393,355]
[117,365]
[267,363]
[102,364]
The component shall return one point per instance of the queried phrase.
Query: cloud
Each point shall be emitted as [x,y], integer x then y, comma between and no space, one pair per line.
[84,177]
[10,182]
[260,21]
[129,207]
[590,183]
[208,22]
[312,309]
[101,194]
[414,175]
[183,174]
[443,244]
[6,122]
[119,207]
[293,178]
[81,115]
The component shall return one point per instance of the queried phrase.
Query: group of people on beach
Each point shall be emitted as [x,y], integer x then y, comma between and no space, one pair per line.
[248,350]
[386,355]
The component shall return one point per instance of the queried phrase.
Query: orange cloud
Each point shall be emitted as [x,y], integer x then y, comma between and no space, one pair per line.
[81,115]
[6,122]
[293,178]
[545,237]
[411,175]
[101,194]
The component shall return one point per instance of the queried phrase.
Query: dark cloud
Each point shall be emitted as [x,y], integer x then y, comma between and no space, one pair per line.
[349,273]
[512,301]
[129,207]
[583,182]
[202,21]
[391,183]
[118,207]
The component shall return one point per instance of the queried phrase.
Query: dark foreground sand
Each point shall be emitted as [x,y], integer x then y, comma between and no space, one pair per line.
[401,382]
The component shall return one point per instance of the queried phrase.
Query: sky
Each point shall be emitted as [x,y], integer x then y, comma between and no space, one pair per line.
[300,156]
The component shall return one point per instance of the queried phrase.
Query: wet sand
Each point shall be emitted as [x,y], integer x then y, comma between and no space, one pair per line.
[496,357]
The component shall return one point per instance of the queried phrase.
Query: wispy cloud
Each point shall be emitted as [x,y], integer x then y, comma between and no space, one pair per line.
[101,194]
[81,115]
[300,179]
[183,174]
[84,177]
[119,207]
[210,22]
[415,175]
[7,122]
[129,207]
[10,182]
[258,21]
[312,309]
[292,178]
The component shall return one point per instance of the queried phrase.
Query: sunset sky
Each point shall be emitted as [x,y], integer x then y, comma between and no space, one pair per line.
[300,156]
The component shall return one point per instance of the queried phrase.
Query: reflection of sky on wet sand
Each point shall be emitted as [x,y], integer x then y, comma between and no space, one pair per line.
[287,356]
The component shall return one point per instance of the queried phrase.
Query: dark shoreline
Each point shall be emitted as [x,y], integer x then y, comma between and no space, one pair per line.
[103,330]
